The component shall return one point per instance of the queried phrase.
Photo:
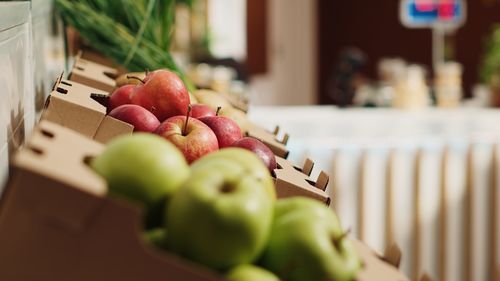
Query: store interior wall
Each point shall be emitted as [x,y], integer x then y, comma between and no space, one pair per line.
[375,28]
[291,46]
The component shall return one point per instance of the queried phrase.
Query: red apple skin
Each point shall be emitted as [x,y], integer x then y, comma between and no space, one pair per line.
[163,94]
[121,96]
[198,141]
[225,129]
[259,148]
[200,110]
[139,117]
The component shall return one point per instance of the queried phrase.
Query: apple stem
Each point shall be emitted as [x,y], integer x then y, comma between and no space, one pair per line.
[184,129]
[136,78]
[336,241]
[146,71]
[218,110]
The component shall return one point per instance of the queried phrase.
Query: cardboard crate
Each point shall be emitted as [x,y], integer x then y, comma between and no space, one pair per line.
[377,267]
[270,139]
[56,223]
[93,74]
[80,108]
[293,181]
[236,101]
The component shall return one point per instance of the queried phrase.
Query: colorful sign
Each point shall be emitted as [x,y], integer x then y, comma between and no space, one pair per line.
[433,13]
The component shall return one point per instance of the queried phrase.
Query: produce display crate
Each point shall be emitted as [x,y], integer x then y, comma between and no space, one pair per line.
[83,109]
[270,139]
[57,224]
[93,74]
[291,181]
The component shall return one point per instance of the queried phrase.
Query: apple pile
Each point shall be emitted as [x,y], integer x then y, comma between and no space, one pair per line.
[197,124]
[222,212]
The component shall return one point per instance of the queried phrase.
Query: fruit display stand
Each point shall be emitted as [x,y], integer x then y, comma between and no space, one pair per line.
[56,222]
[80,108]
[294,181]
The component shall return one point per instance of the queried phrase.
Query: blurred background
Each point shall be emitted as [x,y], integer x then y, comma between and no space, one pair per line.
[395,99]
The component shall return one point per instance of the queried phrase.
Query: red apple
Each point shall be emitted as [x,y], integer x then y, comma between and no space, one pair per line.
[200,110]
[139,117]
[121,96]
[225,129]
[259,148]
[193,138]
[163,94]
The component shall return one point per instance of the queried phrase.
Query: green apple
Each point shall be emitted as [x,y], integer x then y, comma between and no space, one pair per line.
[221,217]
[308,243]
[143,168]
[247,159]
[250,272]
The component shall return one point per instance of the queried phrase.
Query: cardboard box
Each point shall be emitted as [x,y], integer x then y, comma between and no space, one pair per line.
[90,54]
[77,107]
[270,139]
[93,74]
[56,223]
[293,181]
[236,101]
[376,267]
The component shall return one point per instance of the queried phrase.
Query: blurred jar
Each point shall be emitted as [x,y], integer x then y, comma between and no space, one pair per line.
[221,79]
[411,90]
[448,84]
[391,70]
[200,74]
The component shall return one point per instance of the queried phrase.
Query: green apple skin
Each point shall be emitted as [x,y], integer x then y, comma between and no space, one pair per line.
[301,245]
[250,272]
[221,217]
[143,168]
[247,159]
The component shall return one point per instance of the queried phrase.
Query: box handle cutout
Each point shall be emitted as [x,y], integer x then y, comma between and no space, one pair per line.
[66,83]
[310,182]
[47,134]
[36,150]
[87,160]
[101,99]
[61,90]
[111,75]
[80,68]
